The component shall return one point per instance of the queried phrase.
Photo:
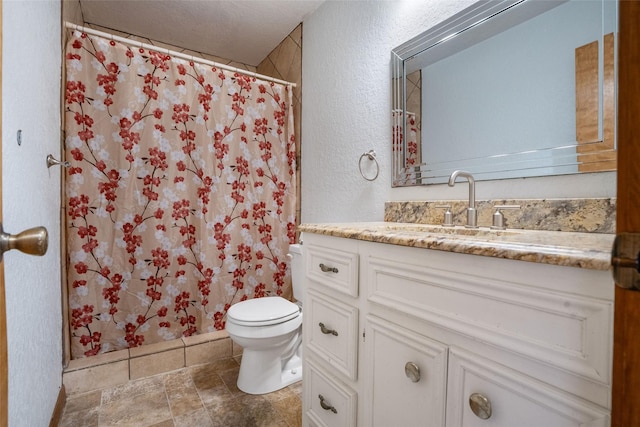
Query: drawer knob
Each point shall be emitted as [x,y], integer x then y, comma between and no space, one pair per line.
[480,405]
[328,269]
[327,331]
[412,371]
[326,406]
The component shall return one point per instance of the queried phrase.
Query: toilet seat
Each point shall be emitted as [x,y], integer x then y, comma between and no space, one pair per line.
[262,312]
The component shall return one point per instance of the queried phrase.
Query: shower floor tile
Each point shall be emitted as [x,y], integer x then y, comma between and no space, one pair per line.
[198,396]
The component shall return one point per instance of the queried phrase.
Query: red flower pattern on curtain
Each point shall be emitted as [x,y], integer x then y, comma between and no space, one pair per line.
[180,196]
[412,156]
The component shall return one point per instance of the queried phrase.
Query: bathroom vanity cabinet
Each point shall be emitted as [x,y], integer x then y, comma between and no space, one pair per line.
[406,336]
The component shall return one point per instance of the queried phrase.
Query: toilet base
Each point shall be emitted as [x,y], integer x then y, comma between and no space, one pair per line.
[262,373]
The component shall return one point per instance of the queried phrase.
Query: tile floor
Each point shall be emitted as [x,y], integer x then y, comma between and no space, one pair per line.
[199,396]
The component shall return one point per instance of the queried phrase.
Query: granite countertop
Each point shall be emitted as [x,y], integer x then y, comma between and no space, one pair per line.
[572,249]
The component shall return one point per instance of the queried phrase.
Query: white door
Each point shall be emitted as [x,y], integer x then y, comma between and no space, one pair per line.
[31,361]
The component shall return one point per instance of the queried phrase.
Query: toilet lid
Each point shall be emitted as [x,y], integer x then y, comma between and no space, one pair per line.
[262,311]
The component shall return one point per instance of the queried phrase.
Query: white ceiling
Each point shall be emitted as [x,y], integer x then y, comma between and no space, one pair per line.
[240,30]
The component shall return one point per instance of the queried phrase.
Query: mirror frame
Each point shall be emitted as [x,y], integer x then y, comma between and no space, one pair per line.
[450,30]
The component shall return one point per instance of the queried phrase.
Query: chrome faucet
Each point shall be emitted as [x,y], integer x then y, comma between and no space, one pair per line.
[472,219]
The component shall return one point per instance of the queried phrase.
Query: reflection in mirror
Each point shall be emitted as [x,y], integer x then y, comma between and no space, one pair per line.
[507,89]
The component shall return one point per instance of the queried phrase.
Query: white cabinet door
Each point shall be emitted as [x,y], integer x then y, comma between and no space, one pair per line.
[512,399]
[406,377]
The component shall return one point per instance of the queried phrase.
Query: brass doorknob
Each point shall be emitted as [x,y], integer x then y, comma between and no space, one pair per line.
[33,241]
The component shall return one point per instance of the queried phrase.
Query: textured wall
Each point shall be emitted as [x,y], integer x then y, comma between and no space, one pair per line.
[31,197]
[346,110]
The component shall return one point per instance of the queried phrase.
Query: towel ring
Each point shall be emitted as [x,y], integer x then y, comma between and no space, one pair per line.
[372,156]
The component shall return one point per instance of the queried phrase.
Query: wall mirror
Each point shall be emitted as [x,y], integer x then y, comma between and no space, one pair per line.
[507,89]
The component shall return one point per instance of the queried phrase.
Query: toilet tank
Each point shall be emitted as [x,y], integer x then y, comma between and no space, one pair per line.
[297,272]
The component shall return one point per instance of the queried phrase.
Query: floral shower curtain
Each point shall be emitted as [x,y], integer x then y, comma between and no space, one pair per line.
[412,155]
[180,195]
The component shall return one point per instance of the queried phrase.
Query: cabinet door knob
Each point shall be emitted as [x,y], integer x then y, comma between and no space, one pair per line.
[480,405]
[327,331]
[326,406]
[327,269]
[412,371]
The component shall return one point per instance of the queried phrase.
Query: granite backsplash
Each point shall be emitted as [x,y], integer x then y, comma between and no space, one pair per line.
[591,215]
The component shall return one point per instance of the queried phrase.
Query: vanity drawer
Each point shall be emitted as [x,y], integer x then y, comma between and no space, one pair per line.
[331,332]
[334,266]
[327,403]
[514,399]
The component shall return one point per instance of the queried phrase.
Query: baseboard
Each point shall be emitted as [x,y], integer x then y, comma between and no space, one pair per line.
[59,408]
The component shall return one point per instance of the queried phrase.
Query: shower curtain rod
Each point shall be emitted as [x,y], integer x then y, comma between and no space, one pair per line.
[173,53]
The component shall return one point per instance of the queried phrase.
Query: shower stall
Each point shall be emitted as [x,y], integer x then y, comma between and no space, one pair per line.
[180,192]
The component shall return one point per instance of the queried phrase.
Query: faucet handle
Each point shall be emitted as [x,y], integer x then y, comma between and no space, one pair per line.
[498,218]
[448,216]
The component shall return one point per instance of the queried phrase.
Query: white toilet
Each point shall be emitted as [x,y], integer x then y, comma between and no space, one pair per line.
[269,330]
